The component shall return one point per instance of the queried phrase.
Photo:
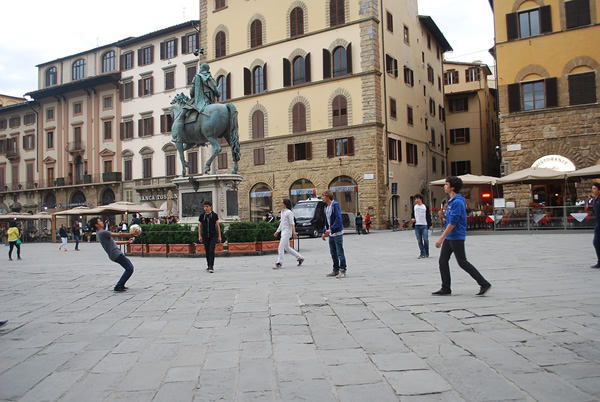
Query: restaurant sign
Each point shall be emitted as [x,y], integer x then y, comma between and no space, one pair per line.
[554,162]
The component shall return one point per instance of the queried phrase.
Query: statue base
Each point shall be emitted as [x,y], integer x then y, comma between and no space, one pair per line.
[220,189]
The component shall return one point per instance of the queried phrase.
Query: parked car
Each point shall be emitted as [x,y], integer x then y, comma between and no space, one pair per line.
[310,215]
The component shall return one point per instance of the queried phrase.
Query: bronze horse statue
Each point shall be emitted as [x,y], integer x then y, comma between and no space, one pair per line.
[191,129]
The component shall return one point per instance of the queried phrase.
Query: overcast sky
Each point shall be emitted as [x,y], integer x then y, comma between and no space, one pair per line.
[36,31]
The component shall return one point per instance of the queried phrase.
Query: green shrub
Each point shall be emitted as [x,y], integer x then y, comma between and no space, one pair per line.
[241,232]
[265,230]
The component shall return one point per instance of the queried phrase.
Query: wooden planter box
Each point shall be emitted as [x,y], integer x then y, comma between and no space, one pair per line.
[200,248]
[270,245]
[181,249]
[249,247]
[137,248]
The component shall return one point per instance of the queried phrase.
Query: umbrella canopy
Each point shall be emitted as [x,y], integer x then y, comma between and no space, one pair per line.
[469,179]
[78,211]
[30,217]
[532,175]
[592,171]
[125,207]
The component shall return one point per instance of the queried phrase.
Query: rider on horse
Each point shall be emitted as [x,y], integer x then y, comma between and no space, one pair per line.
[204,89]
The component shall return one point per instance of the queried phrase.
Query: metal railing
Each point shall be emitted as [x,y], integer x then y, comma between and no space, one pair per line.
[542,218]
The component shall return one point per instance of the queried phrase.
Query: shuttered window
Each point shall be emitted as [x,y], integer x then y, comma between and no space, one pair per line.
[578,13]
[340,111]
[336,12]
[582,88]
[220,44]
[256,38]
[258,125]
[299,118]
[297,22]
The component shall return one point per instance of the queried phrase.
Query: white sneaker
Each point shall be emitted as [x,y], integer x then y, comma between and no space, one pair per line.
[277,265]
[342,274]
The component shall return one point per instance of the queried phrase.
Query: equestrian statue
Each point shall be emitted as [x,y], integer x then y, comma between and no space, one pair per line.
[199,120]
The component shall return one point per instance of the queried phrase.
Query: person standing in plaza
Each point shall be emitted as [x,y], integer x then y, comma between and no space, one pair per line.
[64,237]
[368,222]
[76,230]
[105,237]
[452,240]
[421,217]
[334,228]
[209,233]
[287,229]
[358,221]
[13,240]
[596,204]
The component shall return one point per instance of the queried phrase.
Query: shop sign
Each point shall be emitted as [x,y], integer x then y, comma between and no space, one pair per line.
[554,162]
[261,194]
[301,191]
[344,189]
[73,205]
[156,197]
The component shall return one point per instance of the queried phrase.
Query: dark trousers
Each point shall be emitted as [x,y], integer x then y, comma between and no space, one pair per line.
[11,245]
[77,239]
[458,248]
[127,266]
[209,246]
[596,242]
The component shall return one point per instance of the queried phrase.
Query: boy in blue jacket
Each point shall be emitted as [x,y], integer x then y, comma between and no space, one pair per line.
[452,239]
[334,228]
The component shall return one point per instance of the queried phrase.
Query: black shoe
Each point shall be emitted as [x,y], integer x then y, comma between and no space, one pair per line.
[442,292]
[483,290]
[595,266]
[2,323]
[120,288]
[211,270]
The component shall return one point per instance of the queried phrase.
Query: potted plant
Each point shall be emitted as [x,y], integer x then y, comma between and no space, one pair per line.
[218,247]
[181,239]
[241,237]
[156,237]
[266,240]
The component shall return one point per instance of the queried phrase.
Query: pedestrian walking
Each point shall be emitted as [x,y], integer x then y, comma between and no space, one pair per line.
[105,237]
[286,229]
[76,230]
[421,217]
[368,222]
[209,233]
[358,221]
[596,205]
[14,240]
[64,237]
[452,240]
[334,229]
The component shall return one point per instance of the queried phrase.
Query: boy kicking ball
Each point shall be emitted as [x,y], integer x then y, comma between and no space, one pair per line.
[105,237]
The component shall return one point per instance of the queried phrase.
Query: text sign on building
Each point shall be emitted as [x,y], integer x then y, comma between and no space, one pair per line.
[554,162]
[156,197]
[513,147]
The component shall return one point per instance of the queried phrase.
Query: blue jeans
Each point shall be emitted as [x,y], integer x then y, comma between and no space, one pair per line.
[127,266]
[336,249]
[77,239]
[423,239]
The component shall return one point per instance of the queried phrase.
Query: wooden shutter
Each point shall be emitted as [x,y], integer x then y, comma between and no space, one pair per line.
[514,98]
[140,57]
[151,54]
[122,131]
[228,94]
[349,58]
[351,146]
[545,19]
[163,45]
[163,123]
[175,47]
[141,127]
[151,85]
[290,152]
[467,134]
[140,88]
[583,12]
[121,62]
[265,77]
[287,73]
[330,148]
[151,125]
[589,87]
[307,67]
[399,151]
[247,81]
[294,22]
[308,148]
[326,64]
[121,92]
[452,136]
[551,92]
[512,26]
[184,44]
[395,68]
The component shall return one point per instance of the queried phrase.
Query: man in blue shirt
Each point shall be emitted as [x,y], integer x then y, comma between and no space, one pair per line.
[452,240]
[334,228]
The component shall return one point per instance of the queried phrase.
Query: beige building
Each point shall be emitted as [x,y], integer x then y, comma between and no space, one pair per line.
[338,94]
[548,73]
[471,123]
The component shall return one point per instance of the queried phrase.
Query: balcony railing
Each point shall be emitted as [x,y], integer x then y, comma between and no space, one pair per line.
[13,155]
[75,146]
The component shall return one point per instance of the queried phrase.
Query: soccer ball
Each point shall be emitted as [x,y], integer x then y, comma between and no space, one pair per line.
[135,229]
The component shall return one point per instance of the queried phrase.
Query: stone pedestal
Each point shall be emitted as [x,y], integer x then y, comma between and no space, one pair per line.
[220,189]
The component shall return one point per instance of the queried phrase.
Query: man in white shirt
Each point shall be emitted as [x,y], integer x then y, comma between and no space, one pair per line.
[421,217]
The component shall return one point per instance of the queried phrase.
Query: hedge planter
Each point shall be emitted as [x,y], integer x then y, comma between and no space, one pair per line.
[181,249]
[157,249]
[247,247]
[201,250]
[137,248]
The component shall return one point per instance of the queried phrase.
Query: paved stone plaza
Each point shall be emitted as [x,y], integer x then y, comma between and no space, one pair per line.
[250,333]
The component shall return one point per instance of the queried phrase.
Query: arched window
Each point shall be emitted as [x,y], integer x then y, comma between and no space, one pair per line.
[222,86]
[340,111]
[302,189]
[78,199]
[256,33]
[50,200]
[51,76]
[258,86]
[258,124]
[336,12]
[108,196]
[299,71]
[296,22]
[261,201]
[340,64]
[109,62]
[78,69]
[299,118]
[345,192]
[220,44]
